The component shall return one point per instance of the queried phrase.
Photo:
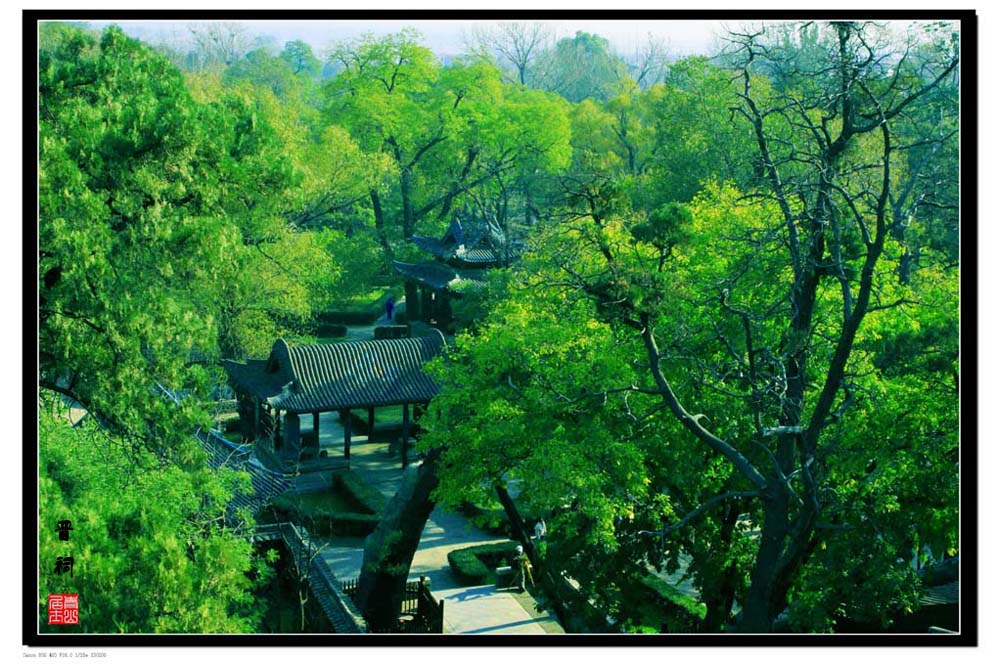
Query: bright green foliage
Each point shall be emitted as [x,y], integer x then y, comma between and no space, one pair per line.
[337,178]
[520,409]
[663,144]
[716,232]
[317,230]
[896,463]
[163,226]
[261,68]
[151,552]
[538,399]
[445,132]
[273,290]
[535,382]
[132,228]
[691,138]
[154,210]
[648,368]
[384,79]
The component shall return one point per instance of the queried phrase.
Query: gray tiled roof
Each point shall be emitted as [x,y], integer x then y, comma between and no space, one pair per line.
[476,255]
[438,275]
[344,375]
[459,254]
[944,594]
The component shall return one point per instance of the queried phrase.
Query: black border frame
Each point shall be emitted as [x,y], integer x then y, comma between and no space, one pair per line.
[969,493]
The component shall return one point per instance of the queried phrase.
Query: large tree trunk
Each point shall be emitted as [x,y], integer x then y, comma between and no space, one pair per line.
[379,226]
[783,548]
[720,604]
[389,550]
[757,614]
[413,309]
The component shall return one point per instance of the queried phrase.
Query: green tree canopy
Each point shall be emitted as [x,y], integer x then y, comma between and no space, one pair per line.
[583,67]
[300,57]
[715,383]
[151,552]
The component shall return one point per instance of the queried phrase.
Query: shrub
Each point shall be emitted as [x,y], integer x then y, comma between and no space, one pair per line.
[391,332]
[664,605]
[494,519]
[477,564]
[351,509]
[331,330]
[344,524]
[367,497]
[361,310]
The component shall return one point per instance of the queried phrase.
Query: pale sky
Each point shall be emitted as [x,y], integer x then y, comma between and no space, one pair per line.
[446,37]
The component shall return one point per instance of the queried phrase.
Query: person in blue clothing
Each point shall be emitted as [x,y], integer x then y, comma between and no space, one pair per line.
[390,309]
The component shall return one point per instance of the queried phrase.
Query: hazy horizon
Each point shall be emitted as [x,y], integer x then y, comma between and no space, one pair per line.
[444,37]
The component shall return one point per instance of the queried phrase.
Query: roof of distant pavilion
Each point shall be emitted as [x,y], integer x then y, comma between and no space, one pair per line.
[458,253]
[345,375]
[439,276]
[471,245]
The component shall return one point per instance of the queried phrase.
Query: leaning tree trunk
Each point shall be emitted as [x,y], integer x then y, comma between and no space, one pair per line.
[389,550]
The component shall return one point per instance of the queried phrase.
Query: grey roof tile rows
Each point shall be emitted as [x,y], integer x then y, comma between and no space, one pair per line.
[476,255]
[266,483]
[344,375]
[943,594]
[460,253]
[438,276]
[252,377]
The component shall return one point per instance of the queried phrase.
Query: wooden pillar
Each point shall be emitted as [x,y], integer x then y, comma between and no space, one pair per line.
[345,419]
[315,425]
[277,429]
[405,435]
[370,422]
[256,419]
[412,300]
[426,306]
[292,435]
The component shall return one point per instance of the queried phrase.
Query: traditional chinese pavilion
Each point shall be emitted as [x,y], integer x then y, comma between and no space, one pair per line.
[461,258]
[296,381]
